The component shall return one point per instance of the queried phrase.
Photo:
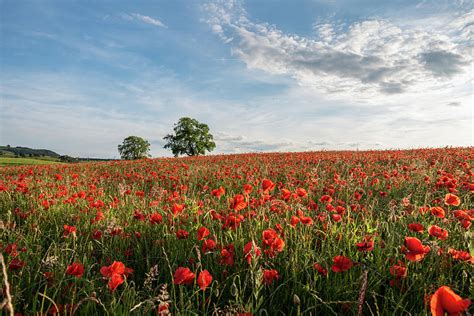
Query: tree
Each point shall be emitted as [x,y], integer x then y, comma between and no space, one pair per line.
[190,137]
[134,147]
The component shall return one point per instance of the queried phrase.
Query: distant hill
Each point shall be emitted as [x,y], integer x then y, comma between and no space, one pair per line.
[27,152]
[42,154]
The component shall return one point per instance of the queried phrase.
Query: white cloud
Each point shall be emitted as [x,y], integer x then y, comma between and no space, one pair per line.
[365,61]
[146,19]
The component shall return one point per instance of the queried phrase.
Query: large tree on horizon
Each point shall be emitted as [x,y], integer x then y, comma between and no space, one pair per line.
[134,147]
[190,138]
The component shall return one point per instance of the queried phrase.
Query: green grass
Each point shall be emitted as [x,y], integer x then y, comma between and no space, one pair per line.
[110,205]
[12,161]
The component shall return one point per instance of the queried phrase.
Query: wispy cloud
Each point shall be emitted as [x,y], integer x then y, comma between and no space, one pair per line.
[145,19]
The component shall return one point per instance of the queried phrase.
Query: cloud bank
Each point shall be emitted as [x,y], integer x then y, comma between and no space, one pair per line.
[367,60]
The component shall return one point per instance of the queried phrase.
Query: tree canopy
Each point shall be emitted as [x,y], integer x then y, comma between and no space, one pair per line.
[134,147]
[190,138]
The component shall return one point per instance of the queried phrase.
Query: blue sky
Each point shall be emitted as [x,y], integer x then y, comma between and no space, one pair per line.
[78,77]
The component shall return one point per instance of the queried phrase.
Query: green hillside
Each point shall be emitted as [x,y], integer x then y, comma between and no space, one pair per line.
[26,152]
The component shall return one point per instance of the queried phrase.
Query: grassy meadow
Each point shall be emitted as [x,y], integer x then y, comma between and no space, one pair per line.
[316,233]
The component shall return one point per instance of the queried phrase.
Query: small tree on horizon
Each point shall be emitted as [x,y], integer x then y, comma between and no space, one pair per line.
[134,147]
[190,138]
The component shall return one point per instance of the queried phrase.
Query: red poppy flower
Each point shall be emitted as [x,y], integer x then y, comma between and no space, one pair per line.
[177,208]
[97,234]
[238,202]
[182,234]
[366,245]
[460,255]
[399,270]
[451,199]
[437,211]
[251,251]
[294,221]
[183,276]
[208,245]
[285,194]
[267,185]
[116,267]
[321,270]
[227,255]
[11,250]
[156,218]
[76,269]
[465,224]
[306,220]
[248,188]
[336,217]
[202,233]
[326,199]
[438,232]
[416,250]
[16,264]
[69,230]
[115,273]
[444,300]
[218,192]
[461,215]
[269,276]
[115,281]
[416,227]
[341,264]
[301,192]
[272,242]
[204,279]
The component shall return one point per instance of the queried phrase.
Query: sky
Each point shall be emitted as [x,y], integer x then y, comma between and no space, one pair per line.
[77,77]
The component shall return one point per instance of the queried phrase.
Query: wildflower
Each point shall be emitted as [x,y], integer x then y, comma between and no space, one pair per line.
[202,233]
[155,218]
[248,188]
[251,251]
[183,276]
[238,202]
[341,264]
[451,199]
[177,209]
[115,273]
[444,300]
[416,227]
[301,192]
[204,279]
[69,230]
[438,232]
[208,245]
[416,250]
[16,264]
[182,234]
[321,270]
[269,276]
[267,185]
[366,245]
[75,269]
[437,211]
[399,270]
[227,255]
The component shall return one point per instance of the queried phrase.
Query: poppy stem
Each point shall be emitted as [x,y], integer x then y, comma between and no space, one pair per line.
[363,290]
[8,300]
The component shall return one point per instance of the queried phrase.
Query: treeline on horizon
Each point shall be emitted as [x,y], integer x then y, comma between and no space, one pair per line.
[25,152]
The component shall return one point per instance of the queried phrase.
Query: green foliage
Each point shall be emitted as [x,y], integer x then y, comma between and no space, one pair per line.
[134,147]
[66,158]
[190,138]
[25,151]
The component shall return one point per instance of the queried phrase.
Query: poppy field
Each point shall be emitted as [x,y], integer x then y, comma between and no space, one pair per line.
[315,233]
